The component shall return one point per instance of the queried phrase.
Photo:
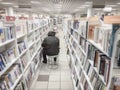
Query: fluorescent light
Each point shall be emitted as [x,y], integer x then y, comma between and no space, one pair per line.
[97,9]
[111,5]
[7,3]
[118,3]
[35,2]
[81,7]
[85,5]
[88,2]
[107,9]
[16,6]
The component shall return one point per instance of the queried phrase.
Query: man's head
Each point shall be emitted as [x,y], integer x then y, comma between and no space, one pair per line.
[51,33]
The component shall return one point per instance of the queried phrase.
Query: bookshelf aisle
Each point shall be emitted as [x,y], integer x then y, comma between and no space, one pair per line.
[93,52]
[20,49]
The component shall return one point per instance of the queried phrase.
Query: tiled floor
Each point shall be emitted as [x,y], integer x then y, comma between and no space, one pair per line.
[55,79]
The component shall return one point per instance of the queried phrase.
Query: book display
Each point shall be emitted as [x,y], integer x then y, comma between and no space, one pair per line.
[20,49]
[94,53]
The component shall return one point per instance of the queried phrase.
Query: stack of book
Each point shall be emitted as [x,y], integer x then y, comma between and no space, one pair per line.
[100,61]
[21,46]
[8,79]
[7,57]
[6,33]
[24,61]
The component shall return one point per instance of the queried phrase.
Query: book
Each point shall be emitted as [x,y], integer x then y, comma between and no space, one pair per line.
[2,35]
[102,64]
[107,69]
[21,46]
[91,32]
[97,58]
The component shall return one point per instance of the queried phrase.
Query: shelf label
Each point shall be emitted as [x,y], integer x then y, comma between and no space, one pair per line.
[10,18]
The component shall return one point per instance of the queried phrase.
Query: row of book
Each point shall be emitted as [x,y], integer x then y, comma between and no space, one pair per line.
[24,61]
[96,81]
[20,86]
[101,36]
[6,33]
[100,61]
[21,46]
[7,57]
[30,38]
[7,80]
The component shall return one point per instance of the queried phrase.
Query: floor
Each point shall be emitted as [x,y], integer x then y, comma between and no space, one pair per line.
[55,79]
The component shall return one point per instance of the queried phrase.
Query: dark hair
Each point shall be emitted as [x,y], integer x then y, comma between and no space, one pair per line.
[51,33]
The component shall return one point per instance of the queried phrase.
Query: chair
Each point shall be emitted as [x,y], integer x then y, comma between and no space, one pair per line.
[51,63]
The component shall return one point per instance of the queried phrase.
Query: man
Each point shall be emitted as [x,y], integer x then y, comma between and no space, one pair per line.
[50,46]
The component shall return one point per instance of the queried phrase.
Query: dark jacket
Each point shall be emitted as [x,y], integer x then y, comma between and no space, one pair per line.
[51,44]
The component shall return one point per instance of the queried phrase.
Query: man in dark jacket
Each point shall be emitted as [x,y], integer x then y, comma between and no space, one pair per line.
[50,46]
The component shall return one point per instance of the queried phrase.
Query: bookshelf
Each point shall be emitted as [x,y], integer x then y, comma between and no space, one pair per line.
[20,51]
[93,61]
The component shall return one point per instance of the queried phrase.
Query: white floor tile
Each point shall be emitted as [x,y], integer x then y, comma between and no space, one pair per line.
[54,85]
[54,78]
[66,86]
[40,85]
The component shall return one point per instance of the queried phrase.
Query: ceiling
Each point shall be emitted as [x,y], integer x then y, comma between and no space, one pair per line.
[57,6]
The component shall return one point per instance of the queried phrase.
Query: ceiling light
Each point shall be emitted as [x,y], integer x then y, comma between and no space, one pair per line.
[81,7]
[118,3]
[111,5]
[16,6]
[85,5]
[107,9]
[88,2]
[97,9]
[35,2]
[6,3]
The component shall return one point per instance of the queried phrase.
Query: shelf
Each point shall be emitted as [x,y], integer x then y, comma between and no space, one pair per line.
[75,88]
[23,52]
[78,45]
[95,69]
[18,37]
[98,47]
[8,66]
[31,44]
[6,42]
[77,73]
[16,82]
[31,60]
[88,80]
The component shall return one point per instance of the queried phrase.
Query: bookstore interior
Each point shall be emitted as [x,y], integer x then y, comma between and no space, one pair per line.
[91,32]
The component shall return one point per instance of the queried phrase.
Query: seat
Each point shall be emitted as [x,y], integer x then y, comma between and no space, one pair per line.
[51,63]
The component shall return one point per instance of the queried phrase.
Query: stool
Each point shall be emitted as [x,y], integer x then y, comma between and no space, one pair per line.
[51,63]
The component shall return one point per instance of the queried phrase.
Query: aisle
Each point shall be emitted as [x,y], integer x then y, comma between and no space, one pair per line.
[57,79]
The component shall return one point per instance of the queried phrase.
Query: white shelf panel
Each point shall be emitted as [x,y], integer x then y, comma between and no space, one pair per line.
[88,80]
[79,45]
[77,73]
[8,66]
[101,77]
[31,60]
[23,52]
[18,37]
[6,42]
[98,47]
[75,88]
[16,82]
[31,45]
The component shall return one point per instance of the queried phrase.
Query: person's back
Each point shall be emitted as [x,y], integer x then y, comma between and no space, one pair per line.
[50,46]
